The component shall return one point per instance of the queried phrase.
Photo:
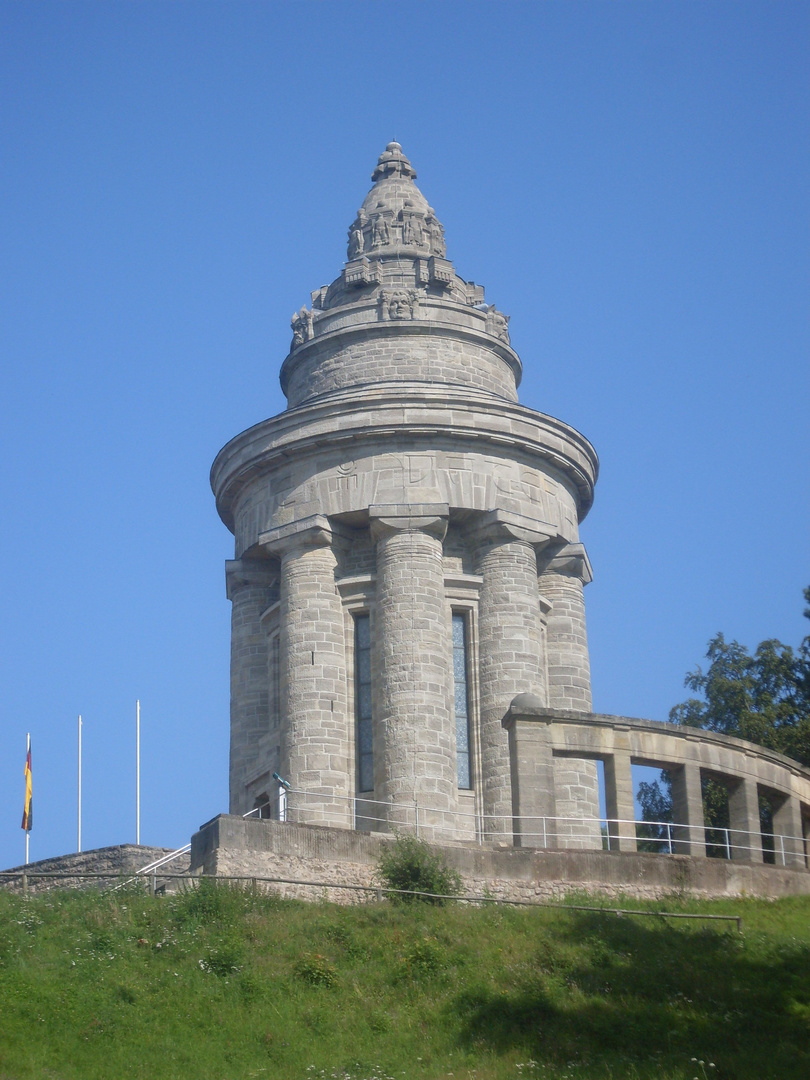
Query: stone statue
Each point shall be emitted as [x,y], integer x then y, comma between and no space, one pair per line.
[436,234]
[356,239]
[497,324]
[302,327]
[380,232]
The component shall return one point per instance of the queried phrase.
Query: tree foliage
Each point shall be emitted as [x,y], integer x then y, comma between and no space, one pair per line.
[764,697]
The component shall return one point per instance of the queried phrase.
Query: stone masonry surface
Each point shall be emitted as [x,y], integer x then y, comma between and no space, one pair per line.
[234,847]
[116,862]
[433,492]
[404,487]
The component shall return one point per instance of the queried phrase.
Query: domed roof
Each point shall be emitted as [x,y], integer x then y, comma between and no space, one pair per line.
[395,213]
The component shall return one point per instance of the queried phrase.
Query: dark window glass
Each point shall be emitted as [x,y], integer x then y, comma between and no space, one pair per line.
[462,697]
[362,697]
[275,699]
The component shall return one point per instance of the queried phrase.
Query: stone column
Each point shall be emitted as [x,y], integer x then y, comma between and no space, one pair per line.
[619,801]
[687,810]
[532,764]
[510,648]
[251,587]
[315,738]
[563,574]
[413,723]
[743,812]
[787,822]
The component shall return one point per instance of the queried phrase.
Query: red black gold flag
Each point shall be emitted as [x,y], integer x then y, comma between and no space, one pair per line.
[28,812]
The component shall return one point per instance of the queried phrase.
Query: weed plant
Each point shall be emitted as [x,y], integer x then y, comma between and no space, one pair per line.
[222,984]
[408,864]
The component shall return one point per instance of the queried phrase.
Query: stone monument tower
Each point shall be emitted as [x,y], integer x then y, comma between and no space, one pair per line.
[407,549]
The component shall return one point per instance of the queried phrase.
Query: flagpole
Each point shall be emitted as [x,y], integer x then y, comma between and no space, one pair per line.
[27,831]
[79,842]
[137,772]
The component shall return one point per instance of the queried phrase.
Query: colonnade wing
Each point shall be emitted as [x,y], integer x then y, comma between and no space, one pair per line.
[689,755]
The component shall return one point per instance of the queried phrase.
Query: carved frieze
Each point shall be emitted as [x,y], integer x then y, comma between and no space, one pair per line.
[387,227]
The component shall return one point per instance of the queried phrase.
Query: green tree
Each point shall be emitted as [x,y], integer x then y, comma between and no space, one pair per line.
[764,697]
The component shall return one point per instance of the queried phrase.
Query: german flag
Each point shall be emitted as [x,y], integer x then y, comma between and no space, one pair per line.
[28,812]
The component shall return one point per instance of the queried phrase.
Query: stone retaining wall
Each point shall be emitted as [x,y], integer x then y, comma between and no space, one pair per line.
[232,846]
[117,861]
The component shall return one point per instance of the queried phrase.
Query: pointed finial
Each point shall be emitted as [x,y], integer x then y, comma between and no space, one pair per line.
[392,162]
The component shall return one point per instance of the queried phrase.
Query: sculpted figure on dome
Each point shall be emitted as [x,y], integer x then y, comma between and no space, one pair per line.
[497,323]
[399,304]
[302,327]
[356,238]
[380,231]
[436,235]
[412,234]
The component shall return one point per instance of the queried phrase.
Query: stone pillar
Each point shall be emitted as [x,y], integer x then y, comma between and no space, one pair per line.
[510,649]
[563,574]
[315,744]
[743,812]
[787,823]
[413,723]
[687,811]
[619,801]
[251,587]
[532,764]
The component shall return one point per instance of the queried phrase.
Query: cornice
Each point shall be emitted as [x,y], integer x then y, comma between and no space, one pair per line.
[357,417]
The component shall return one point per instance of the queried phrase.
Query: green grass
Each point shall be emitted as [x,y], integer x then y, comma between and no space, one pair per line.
[219,984]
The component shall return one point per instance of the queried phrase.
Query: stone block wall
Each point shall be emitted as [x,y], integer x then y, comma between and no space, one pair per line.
[246,848]
[114,863]
[399,356]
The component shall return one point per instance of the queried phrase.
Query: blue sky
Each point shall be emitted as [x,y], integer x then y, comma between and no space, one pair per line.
[628,180]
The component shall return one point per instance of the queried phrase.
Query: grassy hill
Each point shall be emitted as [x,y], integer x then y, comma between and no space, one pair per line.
[216,984]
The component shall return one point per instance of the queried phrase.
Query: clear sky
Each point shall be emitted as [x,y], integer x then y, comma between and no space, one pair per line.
[628,180]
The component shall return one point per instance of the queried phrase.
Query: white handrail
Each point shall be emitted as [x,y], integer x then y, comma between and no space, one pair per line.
[461,824]
[164,859]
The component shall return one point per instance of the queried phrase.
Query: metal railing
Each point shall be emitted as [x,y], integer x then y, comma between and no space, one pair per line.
[554,832]
[374,892]
[153,867]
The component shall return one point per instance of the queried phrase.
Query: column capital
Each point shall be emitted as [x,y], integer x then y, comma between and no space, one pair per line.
[242,572]
[495,525]
[310,532]
[571,560]
[389,518]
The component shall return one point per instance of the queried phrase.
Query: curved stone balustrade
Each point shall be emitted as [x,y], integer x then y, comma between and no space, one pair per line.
[539,737]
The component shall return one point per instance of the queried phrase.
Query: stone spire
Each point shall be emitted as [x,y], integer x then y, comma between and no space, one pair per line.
[395,214]
[398,286]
